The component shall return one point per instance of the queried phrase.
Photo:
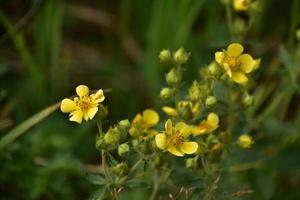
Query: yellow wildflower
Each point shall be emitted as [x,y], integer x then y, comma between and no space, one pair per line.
[84,106]
[170,111]
[143,122]
[148,119]
[245,141]
[175,139]
[241,5]
[208,125]
[236,64]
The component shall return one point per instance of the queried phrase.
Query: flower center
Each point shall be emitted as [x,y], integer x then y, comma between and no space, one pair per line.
[84,103]
[232,62]
[176,139]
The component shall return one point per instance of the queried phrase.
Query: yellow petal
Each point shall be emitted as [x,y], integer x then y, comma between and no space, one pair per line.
[150,118]
[183,128]
[92,112]
[137,119]
[99,96]
[235,49]
[82,90]
[227,69]
[67,105]
[175,151]
[247,62]
[160,140]
[219,56]
[256,63]
[213,119]
[169,127]
[170,111]
[239,77]
[189,147]
[77,116]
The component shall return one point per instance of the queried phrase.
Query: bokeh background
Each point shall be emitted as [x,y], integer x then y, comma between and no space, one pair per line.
[48,47]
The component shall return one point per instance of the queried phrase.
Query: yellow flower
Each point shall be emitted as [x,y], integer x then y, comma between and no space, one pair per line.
[170,111]
[175,139]
[241,5]
[245,141]
[148,119]
[236,64]
[84,106]
[208,125]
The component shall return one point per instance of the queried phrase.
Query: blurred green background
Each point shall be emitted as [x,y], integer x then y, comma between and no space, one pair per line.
[48,47]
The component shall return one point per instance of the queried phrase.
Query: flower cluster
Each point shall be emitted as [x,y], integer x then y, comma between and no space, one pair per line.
[197,123]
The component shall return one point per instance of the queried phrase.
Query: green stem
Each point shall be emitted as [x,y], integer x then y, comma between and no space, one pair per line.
[229,20]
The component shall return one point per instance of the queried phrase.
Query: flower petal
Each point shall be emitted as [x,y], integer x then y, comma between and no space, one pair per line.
[160,140]
[213,119]
[235,49]
[189,147]
[99,96]
[175,151]
[67,105]
[92,112]
[150,118]
[170,111]
[227,69]
[183,128]
[82,90]
[169,127]
[239,77]
[219,56]
[247,62]
[137,119]
[77,116]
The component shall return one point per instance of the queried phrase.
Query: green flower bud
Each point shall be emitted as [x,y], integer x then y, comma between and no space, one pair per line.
[191,163]
[145,147]
[165,55]
[135,131]
[245,141]
[225,137]
[213,69]
[185,109]
[123,149]
[174,76]
[248,99]
[121,169]
[210,101]
[194,91]
[124,123]
[181,56]
[112,137]
[166,93]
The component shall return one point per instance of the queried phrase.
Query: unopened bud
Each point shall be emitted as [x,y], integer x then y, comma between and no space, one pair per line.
[112,137]
[194,91]
[211,101]
[166,93]
[174,76]
[248,100]
[181,56]
[123,149]
[213,69]
[245,141]
[121,169]
[124,123]
[241,5]
[165,55]
[191,163]
[135,131]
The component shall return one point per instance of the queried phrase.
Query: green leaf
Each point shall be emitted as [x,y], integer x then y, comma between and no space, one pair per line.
[96,179]
[26,125]
[99,194]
